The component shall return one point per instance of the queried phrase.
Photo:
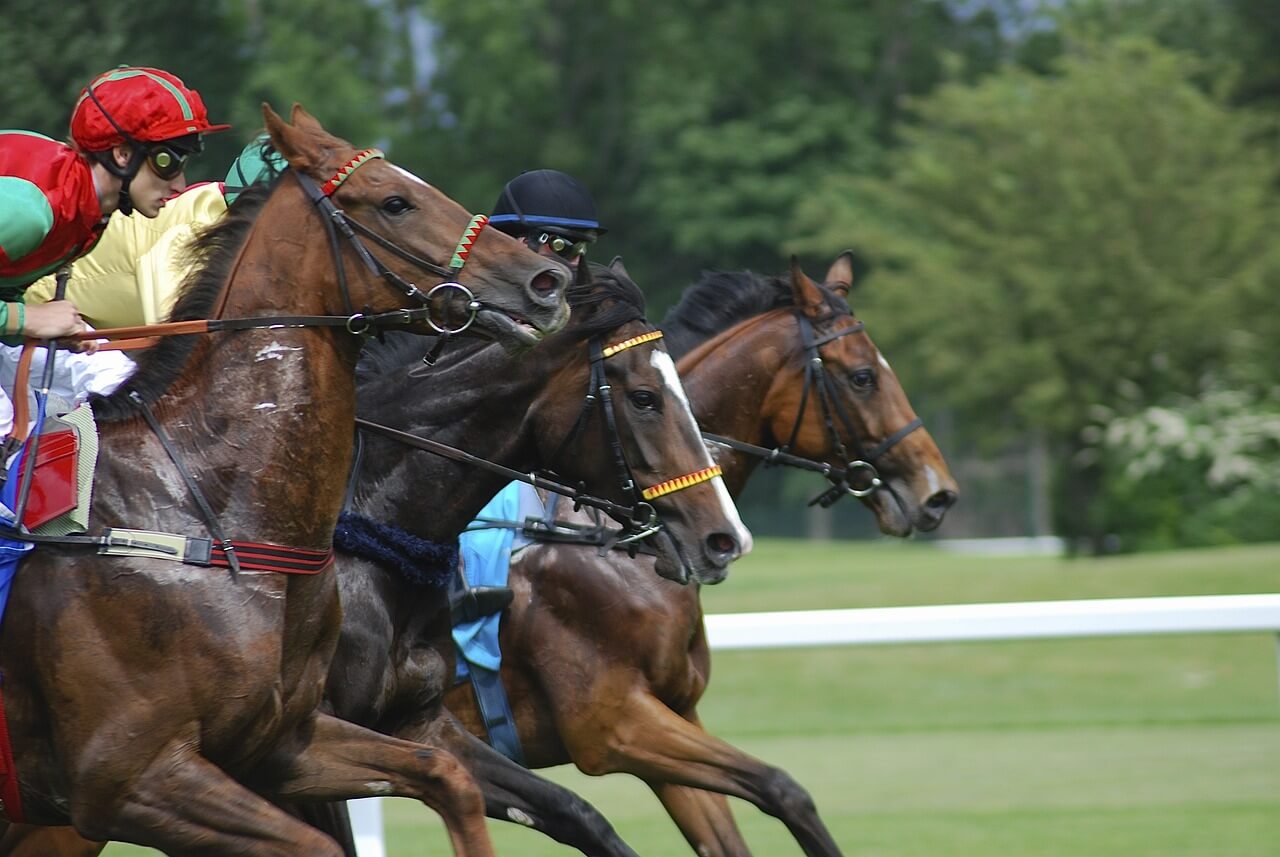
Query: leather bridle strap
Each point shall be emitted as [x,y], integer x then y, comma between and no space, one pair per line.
[816,377]
[427,444]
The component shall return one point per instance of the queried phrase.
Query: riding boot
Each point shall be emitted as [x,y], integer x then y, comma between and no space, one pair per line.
[469,603]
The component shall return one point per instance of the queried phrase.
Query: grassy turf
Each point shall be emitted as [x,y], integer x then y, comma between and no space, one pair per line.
[1131,746]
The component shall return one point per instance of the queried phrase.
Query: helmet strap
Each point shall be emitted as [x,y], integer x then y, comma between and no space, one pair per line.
[108,160]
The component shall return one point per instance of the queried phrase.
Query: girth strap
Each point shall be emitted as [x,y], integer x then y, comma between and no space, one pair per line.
[495,708]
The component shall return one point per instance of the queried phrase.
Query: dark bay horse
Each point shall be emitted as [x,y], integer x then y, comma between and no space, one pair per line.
[603,662]
[163,703]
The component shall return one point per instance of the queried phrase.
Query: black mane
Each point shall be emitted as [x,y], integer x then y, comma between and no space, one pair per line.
[722,299]
[213,251]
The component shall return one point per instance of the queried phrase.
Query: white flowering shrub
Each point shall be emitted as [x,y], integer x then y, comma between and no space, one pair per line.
[1204,469]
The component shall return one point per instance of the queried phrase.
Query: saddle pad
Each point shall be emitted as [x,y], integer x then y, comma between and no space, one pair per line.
[77,520]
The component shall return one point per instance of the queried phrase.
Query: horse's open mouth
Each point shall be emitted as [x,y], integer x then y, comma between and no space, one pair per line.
[511,331]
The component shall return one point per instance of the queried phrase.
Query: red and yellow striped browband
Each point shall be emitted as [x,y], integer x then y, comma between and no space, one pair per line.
[344,173]
[680,483]
[610,350]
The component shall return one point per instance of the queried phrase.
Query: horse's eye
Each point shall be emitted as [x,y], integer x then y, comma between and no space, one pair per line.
[644,399]
[396,205]
[863,378]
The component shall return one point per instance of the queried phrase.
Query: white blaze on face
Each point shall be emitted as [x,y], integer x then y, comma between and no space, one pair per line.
[883,362]
[662,361]
[410,176]
[934,482]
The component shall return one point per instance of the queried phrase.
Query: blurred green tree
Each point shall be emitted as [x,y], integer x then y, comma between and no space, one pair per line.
[1048,242]
[698,125]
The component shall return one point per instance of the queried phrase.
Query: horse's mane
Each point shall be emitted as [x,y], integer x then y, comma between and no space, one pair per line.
[610,300]
[722,299]
[213,251]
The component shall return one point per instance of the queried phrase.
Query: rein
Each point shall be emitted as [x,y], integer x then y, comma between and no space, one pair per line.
[642,515]
[859,470]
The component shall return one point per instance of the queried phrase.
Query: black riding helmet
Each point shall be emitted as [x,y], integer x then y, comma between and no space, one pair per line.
[547,201]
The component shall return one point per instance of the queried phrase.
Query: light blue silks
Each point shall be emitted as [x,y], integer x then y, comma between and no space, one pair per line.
[486,561]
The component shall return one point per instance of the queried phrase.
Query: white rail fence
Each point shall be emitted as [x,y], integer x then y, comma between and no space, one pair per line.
[1199,614]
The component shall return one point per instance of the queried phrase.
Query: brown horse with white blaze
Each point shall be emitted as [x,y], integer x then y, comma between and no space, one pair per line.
[167,704]
[603,663]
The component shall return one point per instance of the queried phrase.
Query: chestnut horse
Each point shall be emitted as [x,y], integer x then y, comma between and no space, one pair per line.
[168,704]
[604,663]
[395,657]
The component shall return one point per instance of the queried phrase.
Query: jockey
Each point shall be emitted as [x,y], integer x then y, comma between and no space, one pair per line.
[550,211]
[133,274]
[555,215]
[132,131]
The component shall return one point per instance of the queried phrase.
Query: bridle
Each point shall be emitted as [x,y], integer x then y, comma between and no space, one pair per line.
[644,523]
[858,477]
[338,221]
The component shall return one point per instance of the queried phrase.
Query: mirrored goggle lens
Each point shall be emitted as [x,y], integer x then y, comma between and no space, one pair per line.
[562,246]
[166,162]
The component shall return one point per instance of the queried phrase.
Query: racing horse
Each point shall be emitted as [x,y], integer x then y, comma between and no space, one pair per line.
[603,662]
[167,703]
[395,657]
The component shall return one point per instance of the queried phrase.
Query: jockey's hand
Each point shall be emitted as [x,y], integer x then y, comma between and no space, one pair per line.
[56,319]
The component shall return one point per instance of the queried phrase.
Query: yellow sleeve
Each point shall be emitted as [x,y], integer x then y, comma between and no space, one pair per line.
[132,276]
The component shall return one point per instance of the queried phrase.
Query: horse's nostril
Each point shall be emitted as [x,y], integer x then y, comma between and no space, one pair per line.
[941,501]
[722,544]
[545,283]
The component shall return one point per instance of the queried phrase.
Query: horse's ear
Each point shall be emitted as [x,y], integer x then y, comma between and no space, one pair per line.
[302,119]
[293,142]
[840,274]
[805,292]
[618,268]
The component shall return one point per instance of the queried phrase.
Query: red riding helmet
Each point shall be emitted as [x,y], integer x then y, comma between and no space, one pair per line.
[142,105]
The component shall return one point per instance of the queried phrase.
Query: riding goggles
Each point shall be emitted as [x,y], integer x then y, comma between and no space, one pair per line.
[561,246]
[166,161]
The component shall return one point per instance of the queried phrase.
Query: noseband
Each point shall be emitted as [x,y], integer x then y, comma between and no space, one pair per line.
[859,469]
[337,221]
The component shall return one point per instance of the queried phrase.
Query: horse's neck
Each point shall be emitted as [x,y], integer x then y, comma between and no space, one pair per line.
[255,414]
[727,379]
[480,405]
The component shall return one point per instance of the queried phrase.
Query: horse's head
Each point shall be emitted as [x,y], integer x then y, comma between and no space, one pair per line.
[416,238]
[635,438]
[839,402]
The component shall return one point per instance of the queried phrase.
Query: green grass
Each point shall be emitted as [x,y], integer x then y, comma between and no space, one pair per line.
[1165,745]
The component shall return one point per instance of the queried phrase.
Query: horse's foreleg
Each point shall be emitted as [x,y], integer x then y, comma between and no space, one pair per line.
[183,804]
[341,760]
[514,793]
[22,840]
[705,820]
[646,738]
